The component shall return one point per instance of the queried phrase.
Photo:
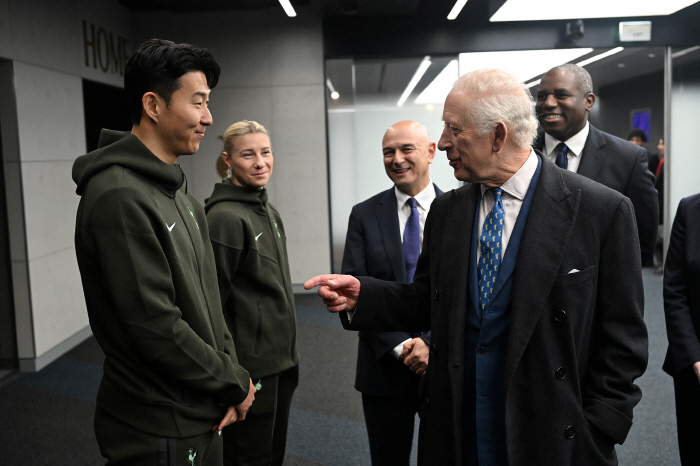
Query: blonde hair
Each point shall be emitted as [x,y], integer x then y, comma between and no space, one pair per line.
[240,128]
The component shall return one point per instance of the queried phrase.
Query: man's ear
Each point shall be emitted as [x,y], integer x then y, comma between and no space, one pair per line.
[499,136]
[431,152]
[151,105]
[589,100]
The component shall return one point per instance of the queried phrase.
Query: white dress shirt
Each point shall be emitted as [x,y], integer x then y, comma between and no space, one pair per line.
[512,197]
[575,144]
[423,201]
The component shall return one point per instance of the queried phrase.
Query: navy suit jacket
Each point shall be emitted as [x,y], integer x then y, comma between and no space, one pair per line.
[577,338]
[373,247]
[681,289]
[622,166]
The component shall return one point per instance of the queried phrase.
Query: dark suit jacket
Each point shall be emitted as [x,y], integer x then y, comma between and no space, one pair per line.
[622,166]
[682,289]
[373,247]
[588,323]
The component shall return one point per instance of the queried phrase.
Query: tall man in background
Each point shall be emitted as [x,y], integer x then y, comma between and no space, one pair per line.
[533,292]
[564,99]
[384,238]
[171,378]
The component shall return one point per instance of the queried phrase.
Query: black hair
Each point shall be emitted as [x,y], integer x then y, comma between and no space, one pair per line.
[638,133]
[157,65]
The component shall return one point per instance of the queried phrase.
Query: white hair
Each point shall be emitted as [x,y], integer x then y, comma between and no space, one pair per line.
[495,95]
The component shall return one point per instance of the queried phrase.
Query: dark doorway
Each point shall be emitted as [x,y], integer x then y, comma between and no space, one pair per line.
[104,107]
[8,335]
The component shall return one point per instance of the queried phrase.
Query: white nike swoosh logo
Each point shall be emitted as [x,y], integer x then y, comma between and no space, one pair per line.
[170,228]
[256,238]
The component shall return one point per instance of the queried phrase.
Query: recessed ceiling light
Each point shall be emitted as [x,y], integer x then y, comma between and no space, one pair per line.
[535,10]
[456,9]
[335,95]
[288,8]
[652,55]
[620,65]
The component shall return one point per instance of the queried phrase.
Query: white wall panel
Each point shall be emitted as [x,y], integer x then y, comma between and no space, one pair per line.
[57,299]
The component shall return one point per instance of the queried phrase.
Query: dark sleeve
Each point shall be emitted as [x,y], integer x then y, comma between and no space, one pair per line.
[355,263]
[394,306]
[683,344]
[645,200]
[619,344]
[227,256]
[139,280]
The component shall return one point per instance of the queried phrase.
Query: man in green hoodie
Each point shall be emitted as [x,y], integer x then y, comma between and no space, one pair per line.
[171,378]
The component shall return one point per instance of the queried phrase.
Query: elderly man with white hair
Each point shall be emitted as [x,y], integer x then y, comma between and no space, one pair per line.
[530,280]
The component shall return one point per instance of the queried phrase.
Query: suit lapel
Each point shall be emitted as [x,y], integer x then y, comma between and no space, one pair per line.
[593,154]
[388,219]
[544,242]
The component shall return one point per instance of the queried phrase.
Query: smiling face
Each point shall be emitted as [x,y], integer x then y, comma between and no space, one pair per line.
[408,154]
[562,109]
[470,156]
[250,160]
[181,124]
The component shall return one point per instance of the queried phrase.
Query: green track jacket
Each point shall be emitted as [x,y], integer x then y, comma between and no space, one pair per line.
[149,280]
[250,247]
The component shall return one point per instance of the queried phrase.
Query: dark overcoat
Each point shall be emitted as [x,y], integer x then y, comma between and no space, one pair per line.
[577,338]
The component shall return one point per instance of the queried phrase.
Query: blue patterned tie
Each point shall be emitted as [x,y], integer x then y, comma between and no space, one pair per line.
[490,241]
[411,240]
[562,160]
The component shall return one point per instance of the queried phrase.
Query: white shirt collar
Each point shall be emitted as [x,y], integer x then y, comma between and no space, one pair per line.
[423,198]
[519,183]
[575,143]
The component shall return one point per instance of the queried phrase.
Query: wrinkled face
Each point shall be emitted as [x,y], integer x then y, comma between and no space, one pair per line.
[250,160]
[469,155]
[181,124]
[637,140]
[561,108]
[408,154]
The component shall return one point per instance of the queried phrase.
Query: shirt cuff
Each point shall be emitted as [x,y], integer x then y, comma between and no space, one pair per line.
[398,349]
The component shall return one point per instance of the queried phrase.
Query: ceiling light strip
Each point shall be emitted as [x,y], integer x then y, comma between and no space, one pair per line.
[680,53]
[532,83]
[588,61]
[456,9]
[288,8]
[422,68]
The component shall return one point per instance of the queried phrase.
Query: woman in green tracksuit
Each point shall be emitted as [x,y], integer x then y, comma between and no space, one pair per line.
[250,249]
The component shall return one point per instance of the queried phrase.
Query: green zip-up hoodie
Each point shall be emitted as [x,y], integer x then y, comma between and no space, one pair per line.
[149,280]
[250,249]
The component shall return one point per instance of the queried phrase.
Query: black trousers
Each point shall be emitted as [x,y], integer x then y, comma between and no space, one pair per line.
[123,445]
[261,438]
[390,423]
[687,393]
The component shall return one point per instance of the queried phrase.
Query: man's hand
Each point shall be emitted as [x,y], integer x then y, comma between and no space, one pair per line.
[339,292]
[229,418]
[237,412]
[242,409]
[415,355]
[696,369]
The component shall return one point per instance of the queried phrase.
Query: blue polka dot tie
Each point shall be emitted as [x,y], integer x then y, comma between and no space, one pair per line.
[490,243]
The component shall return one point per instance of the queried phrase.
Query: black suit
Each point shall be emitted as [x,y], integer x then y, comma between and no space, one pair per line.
[622,166]
[682,306]
[373,247]
[588,324]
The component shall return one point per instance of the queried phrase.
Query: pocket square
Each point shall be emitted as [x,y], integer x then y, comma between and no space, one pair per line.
[574,271]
